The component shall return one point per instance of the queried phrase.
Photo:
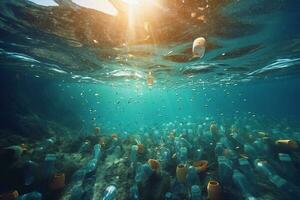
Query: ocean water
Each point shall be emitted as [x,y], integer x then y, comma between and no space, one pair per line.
[103,99]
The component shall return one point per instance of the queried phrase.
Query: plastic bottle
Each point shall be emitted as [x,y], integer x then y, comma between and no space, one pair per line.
[219,149]
[242,184]
[192,176]
[143,173]
[225,170]
[165,156]
[31,196]
[246,169]
[91,166]
[84,147]
[168,196]
[199,47]
[287,167]
[110,193]
[97,152]
[198,155]
[196,193]
[134,192]
[29,172]
[76,192]
[133,154]
[264,168]
[250,151]
[78,175]
[182,157]
[49,165]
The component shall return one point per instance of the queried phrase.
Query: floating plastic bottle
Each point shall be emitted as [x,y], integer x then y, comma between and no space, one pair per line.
[29,169]
[182,156]
[165,155]
[199,47]
[49,165]
[97,151]
[192,176]
[186,143]
[91,166]
[213,190]
[110,193]
[225,170]
[287,167]
[84,147]
[250,151]
[168,196]
[242,184]
[76,192]
[143,173]
[31,196]
[150,79]
[133,154]
[58,181]
[264,168]
[219,149]
[78,175]
[246,169]
[201,165]
[181,172]
[287,144]
[134,192]
[196,193]
[198,154]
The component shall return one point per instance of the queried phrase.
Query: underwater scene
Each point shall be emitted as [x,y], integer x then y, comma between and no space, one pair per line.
[149,99]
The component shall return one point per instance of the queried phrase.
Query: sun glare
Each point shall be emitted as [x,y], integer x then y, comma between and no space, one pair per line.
[131,2]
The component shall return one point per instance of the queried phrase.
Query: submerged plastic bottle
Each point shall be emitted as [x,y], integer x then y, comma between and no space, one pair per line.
[76,192]
[263,167]
[250,151]
[29,169]
[91,166]
[49,165]
[225,170]
[219,149]
[134,192]
[192,176]
[143,173]
[196,193]
[246,169]
[182,156]
[110,193]
[133,154]
[198,154]
[242,184]
[97,151]
[31,196]
[287,167]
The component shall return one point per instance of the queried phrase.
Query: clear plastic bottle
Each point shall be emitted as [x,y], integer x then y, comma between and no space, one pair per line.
[133,154]
[110,193]
[143,173]
[31,196]
[97,152]
[196,193]
[192,176]
[183,155]
[198,154]
[76,192]
[29,169]
[246,169]
[225,170]
[49,165]
[134,192]
[242,184]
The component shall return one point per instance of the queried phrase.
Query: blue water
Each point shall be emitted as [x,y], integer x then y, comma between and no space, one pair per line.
[68,68]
